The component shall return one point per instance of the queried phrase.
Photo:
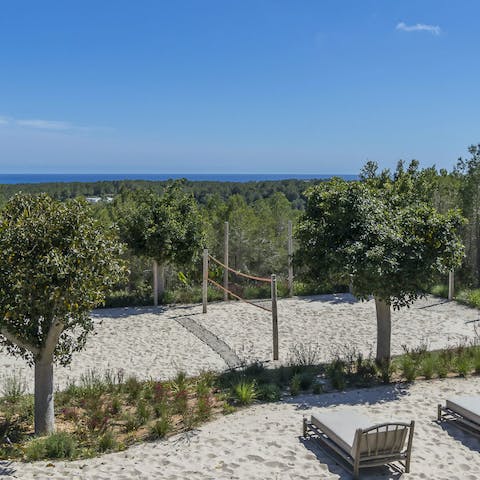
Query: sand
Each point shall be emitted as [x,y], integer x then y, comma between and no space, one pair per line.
[263,442]
[157,343]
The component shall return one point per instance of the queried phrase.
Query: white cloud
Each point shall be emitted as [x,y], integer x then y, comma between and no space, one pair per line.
[45,124]
[419,27]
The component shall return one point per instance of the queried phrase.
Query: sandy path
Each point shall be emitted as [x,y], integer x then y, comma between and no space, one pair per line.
[263,442]
[151,343]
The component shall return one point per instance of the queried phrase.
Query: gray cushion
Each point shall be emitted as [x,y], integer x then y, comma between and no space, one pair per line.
[467,406]
[341,426]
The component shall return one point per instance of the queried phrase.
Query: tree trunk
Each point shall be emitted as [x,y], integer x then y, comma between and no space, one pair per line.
[44,413]
[384,331]
[155,283]
[161,280]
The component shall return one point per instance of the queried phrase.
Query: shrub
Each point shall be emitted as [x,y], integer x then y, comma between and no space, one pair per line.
[245,392]
[204,407]
[133,388]
[295,385]
[463,365]
[143,412]
[304,354]
[107,442]
[428,366]
[317,388]
[180,383]
[131,422]
[408,368]
[269,392]
[306,380]
[336,374]
[57,445]
[13,386]
[160,428]
[180,402]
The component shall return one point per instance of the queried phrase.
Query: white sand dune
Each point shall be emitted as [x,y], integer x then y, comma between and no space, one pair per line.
[263,442]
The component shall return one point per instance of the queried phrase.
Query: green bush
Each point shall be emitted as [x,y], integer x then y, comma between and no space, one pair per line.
[107,442]
[13,386]
[55,446]
[429,366]
[408,368]
[161,427]
[245,392]
[269,392]
[463,364]
[295,385]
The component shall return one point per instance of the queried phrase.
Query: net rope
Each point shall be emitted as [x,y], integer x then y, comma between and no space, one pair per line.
[213,282]
[240,274]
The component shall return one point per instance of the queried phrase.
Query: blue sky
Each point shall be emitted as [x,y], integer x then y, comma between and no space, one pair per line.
[242,86]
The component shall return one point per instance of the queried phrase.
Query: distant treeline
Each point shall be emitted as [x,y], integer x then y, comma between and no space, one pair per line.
[202,190]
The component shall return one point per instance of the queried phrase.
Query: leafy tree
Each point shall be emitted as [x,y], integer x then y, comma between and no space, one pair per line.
[166,228]
[467,171]
[56,265]
[384,234]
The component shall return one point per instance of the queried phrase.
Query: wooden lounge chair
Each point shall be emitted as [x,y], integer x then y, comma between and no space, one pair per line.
[462,411]
[358,442]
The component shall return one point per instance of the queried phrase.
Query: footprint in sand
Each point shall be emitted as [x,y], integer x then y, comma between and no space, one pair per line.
[255,458]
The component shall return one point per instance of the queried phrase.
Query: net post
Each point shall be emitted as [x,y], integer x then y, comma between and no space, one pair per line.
[290,259]
[205,280]
[155,283]
[225,260]
[274,316]
[451,284]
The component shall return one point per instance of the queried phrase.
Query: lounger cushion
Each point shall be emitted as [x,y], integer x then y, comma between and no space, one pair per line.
[468,407]
[341,426]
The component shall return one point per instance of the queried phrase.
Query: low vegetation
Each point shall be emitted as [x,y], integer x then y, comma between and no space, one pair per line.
[102,413]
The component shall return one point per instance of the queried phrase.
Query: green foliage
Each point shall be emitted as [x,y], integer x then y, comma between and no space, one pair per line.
[245,392]
[408,368]
[386,235]
[463,364]
[295,385]
[428,366]
[160,428]
[269,392]
[56,264]
[107,442]
[55,446]
[13,386]
[166,228]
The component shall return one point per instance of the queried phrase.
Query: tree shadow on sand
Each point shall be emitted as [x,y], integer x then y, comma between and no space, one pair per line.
[333,298]
[6,469]
[362,396]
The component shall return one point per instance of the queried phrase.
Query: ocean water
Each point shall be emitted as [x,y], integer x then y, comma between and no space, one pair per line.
[215,177]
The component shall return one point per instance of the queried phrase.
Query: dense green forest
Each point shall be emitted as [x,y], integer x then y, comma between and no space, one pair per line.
[258,215]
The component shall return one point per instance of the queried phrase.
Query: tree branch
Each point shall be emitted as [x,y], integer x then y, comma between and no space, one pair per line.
[18,342]
[54,332]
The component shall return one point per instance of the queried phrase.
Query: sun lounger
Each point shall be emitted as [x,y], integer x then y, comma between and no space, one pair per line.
[462,411]
[360,442]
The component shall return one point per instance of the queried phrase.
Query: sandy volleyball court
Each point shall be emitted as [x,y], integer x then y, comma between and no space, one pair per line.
[263,442]
[157,343]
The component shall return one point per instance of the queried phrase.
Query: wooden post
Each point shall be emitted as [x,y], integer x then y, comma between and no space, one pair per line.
[161,281]
[290,259]
[225,261]
[274,317]
[155,283]
[451,284]
[205,280]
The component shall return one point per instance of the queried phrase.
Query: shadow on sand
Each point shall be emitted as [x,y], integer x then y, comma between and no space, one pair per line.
[333,298]
[468,439]
[5,468]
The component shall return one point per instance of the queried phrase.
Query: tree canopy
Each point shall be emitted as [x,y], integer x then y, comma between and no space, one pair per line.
[56,264]
[383,232]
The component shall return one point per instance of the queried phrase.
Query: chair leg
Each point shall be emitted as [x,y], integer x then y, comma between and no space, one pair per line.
[305,426]
[439,412]
[356,470]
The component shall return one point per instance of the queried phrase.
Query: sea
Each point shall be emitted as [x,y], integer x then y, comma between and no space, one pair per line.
[14,178]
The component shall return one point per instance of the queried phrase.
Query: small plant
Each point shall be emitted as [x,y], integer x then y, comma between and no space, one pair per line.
[476,360]
[336,374]
[204,408]
[13,386]
[143,412]
[131,422]
[180,402]
[245,392]
[133,388]
[306,380]
[295,385]
[107,442]
[408,368]
[304,354]
[317,388]
[180,383]
[115,406]
[269,392]
[428,366]
[57,445]
[160,428]
[71,414]
[228,409]
[463,365]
